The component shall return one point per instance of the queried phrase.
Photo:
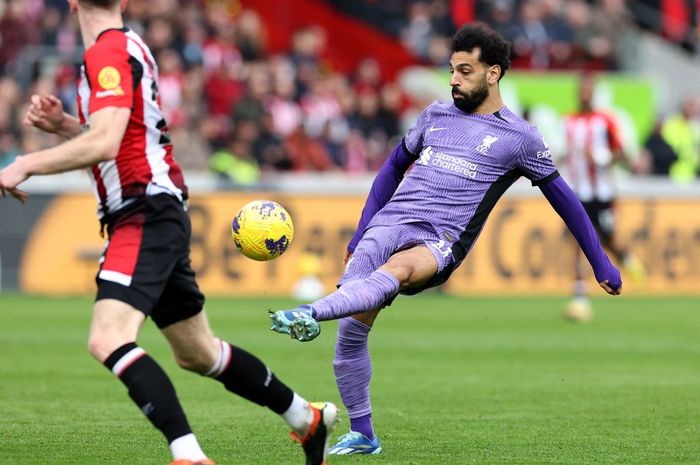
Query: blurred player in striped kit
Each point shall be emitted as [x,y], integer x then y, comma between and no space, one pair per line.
[594,146]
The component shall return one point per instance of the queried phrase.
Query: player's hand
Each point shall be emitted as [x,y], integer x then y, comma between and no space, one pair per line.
[346,258]
[609,289]
[10,177]
[45,113]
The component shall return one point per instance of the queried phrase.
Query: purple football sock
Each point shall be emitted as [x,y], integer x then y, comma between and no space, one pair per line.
[357,296]
[363,425]
[353,370]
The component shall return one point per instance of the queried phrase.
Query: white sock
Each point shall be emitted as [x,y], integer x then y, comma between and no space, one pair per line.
[299,416]
[187,447]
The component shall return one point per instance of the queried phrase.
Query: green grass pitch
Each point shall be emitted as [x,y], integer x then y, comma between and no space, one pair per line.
[456,381]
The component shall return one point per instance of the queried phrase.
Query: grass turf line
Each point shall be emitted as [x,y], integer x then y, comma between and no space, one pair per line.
[457,381]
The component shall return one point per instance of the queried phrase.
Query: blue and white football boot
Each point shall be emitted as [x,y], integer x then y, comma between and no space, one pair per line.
[356,443]
[297,322]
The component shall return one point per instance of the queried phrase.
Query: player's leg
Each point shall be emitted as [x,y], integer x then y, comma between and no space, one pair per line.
[196,349]
[113,333]
[404,270]
[579,308]
[353,372]
[146,243]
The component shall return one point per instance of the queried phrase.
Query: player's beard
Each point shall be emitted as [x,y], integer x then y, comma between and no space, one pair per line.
[470,101]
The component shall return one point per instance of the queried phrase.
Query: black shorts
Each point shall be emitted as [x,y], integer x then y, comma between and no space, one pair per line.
[146,262]
[602,215]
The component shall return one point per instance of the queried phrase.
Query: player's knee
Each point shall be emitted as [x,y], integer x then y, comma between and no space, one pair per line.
[402,273]
[101,345]
[194,361]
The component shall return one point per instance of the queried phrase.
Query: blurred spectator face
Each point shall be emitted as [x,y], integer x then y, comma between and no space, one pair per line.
[691,107]
[162,7]
[169,62]
[259,82]
[468,81]
[368,72]
[578,14]
[368,103]
[309,42]
[531,11]
[137,10]
[551,7]
[613,7]
[392,98]
[160,33]
[439,51]
[9,91]
[285,87]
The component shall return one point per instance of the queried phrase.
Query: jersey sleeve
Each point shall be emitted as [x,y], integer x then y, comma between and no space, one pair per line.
[110,73]
[614,137]
[535,159]
[414,138]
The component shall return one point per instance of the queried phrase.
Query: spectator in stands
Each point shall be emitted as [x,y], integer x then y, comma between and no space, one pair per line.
[560,46]
[657,154]
[268,149]
[418,30]
[530,37]
[16,31]
[250,36]
[682,132]
[307,153]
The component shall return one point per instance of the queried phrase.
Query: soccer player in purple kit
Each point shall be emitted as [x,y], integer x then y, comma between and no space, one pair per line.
[415,231]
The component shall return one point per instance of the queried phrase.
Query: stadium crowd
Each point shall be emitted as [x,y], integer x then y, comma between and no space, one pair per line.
[238,110]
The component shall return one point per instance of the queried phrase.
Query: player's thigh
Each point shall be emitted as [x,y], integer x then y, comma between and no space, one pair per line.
[192,342]
[114,323]
[413,267]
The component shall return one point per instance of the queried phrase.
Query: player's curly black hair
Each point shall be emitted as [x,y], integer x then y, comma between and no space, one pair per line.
[100,3]
[495,49]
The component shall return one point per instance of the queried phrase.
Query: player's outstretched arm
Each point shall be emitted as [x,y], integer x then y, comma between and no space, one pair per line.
[569,208]
[388,179]
[100,143]
[46,113]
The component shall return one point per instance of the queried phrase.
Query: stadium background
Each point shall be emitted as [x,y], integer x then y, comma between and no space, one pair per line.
[302,101]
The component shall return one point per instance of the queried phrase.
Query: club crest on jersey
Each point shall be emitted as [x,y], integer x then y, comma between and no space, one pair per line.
[109,79]
[486,144]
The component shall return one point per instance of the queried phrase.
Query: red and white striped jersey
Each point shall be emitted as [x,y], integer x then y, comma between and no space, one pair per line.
[592,139]
[120,71]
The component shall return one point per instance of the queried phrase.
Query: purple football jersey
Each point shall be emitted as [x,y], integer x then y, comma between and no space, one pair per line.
[464,163]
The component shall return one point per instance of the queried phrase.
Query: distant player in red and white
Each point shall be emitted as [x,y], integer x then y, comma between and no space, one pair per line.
[121,137]
[594,146]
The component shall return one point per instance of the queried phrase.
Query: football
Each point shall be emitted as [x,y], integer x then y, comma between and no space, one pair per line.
[262,230]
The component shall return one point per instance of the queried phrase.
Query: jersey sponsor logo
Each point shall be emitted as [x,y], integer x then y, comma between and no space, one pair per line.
[109,93]
[486,144]
[449,162]
[546,153]
[433,128]
[109,79]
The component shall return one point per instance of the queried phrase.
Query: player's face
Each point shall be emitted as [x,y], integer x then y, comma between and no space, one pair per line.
[586,94]
[469,81]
